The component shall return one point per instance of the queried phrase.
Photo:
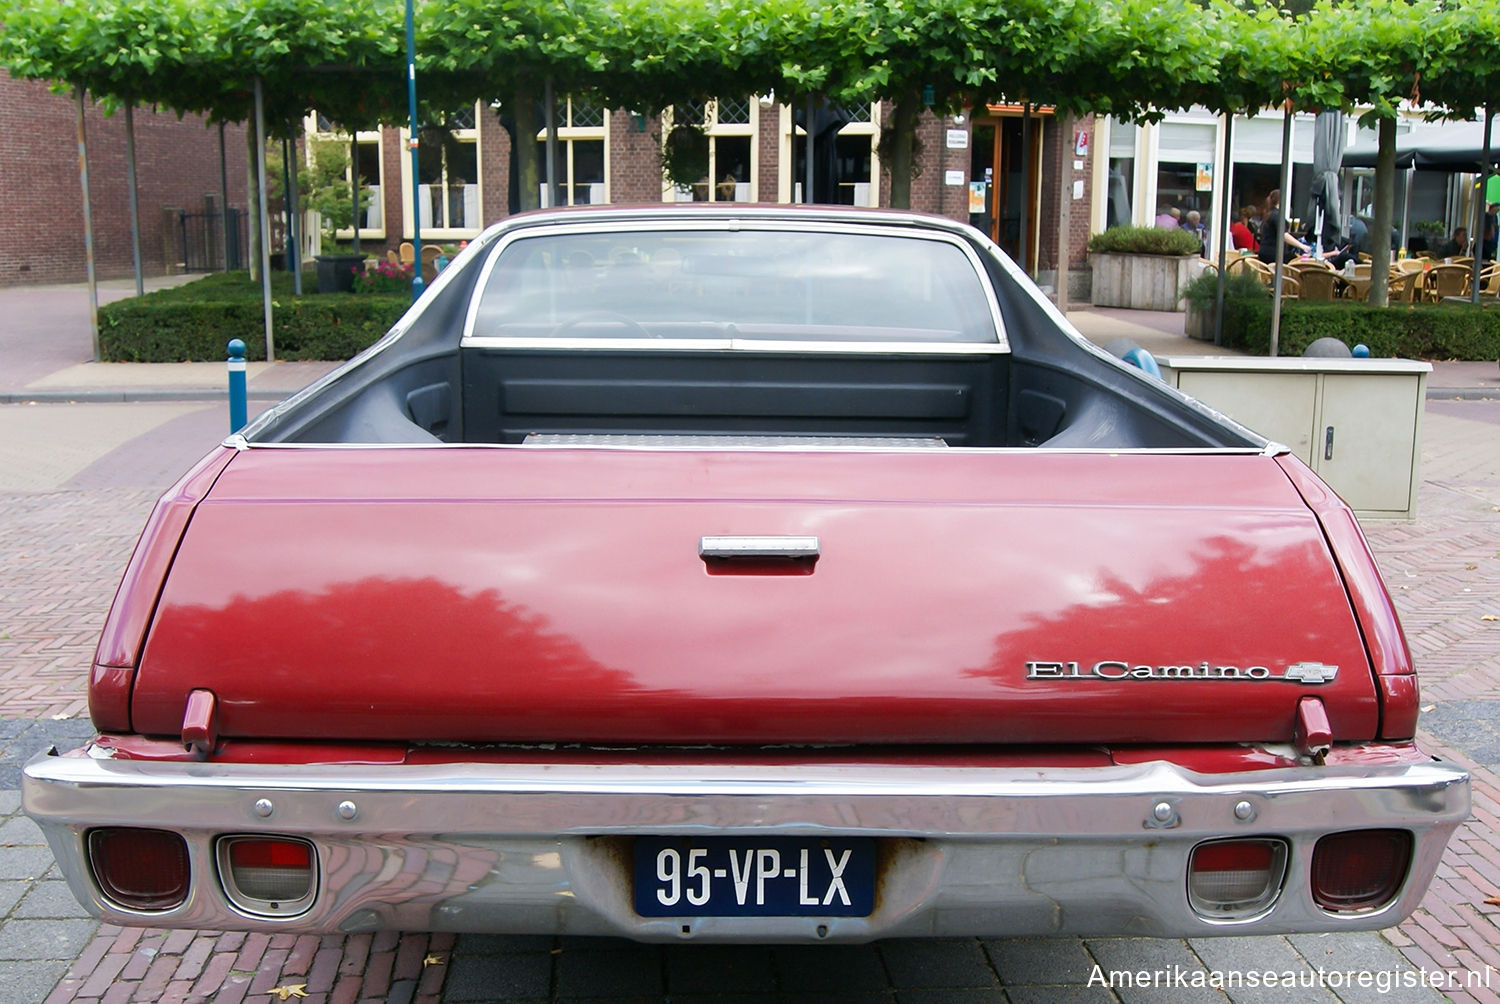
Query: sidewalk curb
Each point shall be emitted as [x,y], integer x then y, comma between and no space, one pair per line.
[101,396]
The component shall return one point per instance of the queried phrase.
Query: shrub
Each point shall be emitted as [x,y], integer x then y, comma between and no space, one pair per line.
[384,277]
[193,322]
[1420,331]
[1145,240]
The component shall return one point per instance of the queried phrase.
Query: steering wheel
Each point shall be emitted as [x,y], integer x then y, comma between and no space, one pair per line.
[594,316]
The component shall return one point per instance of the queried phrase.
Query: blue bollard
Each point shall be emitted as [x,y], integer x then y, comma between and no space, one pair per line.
[237,407]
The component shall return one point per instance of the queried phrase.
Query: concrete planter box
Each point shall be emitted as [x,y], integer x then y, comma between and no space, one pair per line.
[1199,324]
[1141,281]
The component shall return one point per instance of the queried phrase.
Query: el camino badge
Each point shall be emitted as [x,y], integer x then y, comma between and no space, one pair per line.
[1306,673]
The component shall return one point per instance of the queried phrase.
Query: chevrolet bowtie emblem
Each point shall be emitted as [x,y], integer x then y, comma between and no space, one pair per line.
[1305,673]
[1310,672]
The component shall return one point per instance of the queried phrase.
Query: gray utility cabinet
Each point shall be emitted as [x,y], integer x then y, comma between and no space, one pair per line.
[1357,422]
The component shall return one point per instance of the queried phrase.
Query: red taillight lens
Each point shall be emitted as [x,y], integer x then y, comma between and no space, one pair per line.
[1360,869]
[1233,879]
[140,869]
[269,875]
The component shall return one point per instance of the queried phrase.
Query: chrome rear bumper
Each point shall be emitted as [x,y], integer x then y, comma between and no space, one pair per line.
[533,848]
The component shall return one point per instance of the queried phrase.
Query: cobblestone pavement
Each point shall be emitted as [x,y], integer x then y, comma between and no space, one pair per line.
[66,531]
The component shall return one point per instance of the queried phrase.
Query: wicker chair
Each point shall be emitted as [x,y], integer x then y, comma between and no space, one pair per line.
[1448,280]
[1318,284]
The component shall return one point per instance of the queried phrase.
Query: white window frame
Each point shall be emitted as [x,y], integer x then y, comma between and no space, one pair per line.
[715,129]
[314,226]
[567,132]
[444,233]
[786,185]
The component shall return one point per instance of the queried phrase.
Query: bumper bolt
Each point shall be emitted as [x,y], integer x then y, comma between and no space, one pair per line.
[263,807]
[1162,812]
[1244,811]
[348,810]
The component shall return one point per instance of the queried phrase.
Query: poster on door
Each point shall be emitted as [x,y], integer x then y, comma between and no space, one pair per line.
[1205,177]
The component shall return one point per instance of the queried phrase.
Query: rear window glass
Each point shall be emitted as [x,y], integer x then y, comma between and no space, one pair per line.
[807,285]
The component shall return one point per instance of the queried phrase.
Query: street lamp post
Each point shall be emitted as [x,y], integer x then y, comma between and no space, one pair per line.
[416,188]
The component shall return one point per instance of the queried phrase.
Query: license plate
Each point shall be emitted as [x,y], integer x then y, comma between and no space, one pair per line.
[749,877]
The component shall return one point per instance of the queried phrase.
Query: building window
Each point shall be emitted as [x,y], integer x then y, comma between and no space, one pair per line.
[729,125]
[448,183]
[582,152]
[1120,188]
[847,158]
[1184,166]
[366,162]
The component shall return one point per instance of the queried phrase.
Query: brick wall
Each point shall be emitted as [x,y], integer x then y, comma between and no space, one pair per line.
[41,200]
[634,160]
[768,152]
[393,157]
[494,167]
[929,193]
[1058,154]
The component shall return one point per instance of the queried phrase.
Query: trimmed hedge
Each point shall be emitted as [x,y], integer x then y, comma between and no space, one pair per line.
[1145,240]
[194,322]
[1406,331]
[1419,331]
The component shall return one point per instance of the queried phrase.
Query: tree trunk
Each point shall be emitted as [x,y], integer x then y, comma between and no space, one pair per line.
[904,129]
[252,202]
[528,164]
[1385,206]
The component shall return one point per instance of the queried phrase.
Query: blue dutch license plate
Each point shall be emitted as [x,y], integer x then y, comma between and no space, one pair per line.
[754,876]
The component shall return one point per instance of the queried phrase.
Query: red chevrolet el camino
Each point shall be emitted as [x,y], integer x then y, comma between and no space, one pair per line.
[737,574]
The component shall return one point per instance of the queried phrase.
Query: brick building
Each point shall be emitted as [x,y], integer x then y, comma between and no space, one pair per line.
[972,169]
[41,202]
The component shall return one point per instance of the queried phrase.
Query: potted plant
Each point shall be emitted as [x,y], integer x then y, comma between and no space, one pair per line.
[1144,268]
[1201,298]
[328,194]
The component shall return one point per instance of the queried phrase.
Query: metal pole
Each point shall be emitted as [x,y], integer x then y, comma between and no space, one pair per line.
[135,202]
[265,219]
[807,161]
[224,194]
[237,407]
[1023,245]
[354,183]
[1064,214]
[88,231]
[1279,237]
[1481,209]
[549,110]
[1406,203]
[416,188]
[1225,200]
[294,216]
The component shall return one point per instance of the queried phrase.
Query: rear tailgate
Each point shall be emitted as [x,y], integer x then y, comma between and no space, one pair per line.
[558,595]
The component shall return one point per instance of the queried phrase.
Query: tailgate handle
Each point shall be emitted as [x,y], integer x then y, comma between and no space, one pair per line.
[758,548]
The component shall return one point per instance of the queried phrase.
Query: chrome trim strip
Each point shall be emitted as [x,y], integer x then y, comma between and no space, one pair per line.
[953,800]
[646,223]
[740,345]
[543,848]
[731,443]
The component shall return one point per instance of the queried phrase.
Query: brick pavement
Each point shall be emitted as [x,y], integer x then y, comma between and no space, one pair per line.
[1443,572]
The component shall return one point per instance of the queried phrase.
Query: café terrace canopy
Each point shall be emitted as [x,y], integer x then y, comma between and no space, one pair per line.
[1444,146]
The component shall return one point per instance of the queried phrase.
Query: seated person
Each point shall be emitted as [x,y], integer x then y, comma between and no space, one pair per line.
[1193,224]
[1454,246]
[1292,245]
[1168,218]
[1240,232]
